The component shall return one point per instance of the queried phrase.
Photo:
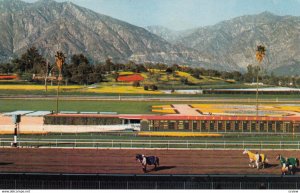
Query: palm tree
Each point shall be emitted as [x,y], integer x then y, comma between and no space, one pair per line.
[59,60]
[260,54]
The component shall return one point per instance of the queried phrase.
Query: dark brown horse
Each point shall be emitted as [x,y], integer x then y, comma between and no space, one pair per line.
[147,160]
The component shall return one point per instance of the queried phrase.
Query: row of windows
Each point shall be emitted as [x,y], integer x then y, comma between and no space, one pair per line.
[225,126]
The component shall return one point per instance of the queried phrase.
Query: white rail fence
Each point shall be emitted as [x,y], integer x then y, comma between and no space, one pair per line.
[152,144]
[69,128]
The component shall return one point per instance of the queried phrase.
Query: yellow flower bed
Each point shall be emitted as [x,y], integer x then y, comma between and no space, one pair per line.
[288,108]
[202,105]
[222,108]
[206,108]
[121,89]
[125,73]
[167,111]
[189,77]
[161,106]
[177,134]
[36,87]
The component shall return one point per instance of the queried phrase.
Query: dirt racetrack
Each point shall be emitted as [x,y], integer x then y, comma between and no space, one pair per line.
[122,161]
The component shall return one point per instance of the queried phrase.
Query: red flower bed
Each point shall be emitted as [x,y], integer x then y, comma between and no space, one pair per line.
[130,78]
[7,77]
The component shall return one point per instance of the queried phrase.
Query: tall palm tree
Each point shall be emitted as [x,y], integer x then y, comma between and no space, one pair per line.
[260,54]
[59,60]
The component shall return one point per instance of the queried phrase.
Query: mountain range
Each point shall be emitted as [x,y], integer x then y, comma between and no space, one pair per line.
[229,45]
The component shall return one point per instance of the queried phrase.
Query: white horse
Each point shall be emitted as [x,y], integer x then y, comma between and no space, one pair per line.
[258,160]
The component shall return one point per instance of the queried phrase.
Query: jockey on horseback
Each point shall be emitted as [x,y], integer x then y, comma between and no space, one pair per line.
[144,160]
[257,159]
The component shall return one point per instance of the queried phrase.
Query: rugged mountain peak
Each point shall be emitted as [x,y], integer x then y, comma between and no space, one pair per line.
[233,42]
[11,5]
[52,26]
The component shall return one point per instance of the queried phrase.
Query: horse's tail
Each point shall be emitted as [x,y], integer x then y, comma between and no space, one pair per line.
[297,162]
[157,161]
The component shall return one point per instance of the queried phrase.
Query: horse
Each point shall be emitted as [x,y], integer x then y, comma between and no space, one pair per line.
[289,165]
[262,161]
[147,160]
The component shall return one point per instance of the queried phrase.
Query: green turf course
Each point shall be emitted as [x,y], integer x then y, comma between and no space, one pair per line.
[121,107]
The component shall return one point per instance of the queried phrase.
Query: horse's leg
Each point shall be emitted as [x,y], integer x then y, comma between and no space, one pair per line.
[282,171]
[251,163]
[257,164]
[144,169]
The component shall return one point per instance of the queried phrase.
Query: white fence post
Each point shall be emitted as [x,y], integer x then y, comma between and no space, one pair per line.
[280,144]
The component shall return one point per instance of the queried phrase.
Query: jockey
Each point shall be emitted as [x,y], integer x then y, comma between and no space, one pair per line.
[257,159]
[144,161]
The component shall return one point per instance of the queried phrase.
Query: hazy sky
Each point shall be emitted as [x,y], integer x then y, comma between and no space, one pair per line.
[184,14]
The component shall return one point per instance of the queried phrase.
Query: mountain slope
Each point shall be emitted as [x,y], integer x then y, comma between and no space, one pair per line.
[52,26]
[234,41]
[168,34]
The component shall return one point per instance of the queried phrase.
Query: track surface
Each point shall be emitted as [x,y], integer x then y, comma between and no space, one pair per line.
[122,161]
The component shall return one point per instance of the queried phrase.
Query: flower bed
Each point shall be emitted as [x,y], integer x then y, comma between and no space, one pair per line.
[8,77]
[130,78]
[167,111]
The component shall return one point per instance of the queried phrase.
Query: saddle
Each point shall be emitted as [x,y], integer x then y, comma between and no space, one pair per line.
[150,160]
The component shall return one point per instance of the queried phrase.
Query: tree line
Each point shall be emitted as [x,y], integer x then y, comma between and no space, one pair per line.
[80,71]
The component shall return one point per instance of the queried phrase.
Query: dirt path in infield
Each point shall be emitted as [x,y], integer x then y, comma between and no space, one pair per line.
[122,161]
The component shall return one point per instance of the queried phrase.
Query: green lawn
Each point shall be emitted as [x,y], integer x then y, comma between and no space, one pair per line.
[122,107]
